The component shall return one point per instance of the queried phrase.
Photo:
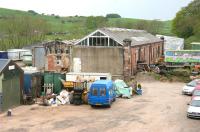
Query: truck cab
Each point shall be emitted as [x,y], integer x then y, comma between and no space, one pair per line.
[101,92]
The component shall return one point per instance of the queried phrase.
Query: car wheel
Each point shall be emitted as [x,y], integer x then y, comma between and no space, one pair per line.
[109,105]
[92,106]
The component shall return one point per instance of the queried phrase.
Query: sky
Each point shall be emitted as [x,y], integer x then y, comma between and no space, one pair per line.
[141,9]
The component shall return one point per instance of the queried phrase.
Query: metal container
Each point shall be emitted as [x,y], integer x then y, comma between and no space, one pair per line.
[17,54]
[33,84]
[39,57]
[81,76]
[13,55]
[32,81]
[54,78]
[195,45]
[3,55]
[27,59]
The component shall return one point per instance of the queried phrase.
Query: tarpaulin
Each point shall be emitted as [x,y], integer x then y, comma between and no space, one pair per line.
[122,90]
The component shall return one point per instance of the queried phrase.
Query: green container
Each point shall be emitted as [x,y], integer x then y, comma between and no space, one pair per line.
[54,78]
[195,46]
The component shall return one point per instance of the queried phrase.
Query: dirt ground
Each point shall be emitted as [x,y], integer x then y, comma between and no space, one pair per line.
[161,108]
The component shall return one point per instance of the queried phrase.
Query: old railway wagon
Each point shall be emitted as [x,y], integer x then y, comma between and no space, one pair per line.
[11,84]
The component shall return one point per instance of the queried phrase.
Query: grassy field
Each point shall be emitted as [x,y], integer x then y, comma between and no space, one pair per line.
[73,27]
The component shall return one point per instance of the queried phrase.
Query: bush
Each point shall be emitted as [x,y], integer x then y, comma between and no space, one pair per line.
[180,72]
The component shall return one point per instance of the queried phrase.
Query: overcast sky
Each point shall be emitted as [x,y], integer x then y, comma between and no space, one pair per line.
[144,9]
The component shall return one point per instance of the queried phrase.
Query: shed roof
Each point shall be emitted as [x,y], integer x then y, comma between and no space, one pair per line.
[197,43]
[3,64]
[138,37]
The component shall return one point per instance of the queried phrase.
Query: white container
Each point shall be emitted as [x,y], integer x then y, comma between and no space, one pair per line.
[30,69]
[17,54]
[73,76]
[76,65]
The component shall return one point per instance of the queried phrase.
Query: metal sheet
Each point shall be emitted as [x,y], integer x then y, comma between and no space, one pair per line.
[39,57]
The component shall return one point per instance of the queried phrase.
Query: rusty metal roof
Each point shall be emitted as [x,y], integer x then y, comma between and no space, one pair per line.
[138,37]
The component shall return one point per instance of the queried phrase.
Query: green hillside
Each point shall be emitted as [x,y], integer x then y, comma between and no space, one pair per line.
[19,28]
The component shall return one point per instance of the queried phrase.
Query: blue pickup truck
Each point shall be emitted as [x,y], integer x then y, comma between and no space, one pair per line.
[102,92]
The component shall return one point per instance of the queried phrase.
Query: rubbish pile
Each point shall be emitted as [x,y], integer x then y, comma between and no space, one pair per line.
[55,100]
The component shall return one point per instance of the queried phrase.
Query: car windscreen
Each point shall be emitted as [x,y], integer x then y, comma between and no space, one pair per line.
[196,93]
[195,103]
[102,91]
[192,83]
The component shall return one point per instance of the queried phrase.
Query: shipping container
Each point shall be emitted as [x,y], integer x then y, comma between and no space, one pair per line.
[54,78]
[74,76]
[39,57]
[17,54]
[3,55]
[33,84]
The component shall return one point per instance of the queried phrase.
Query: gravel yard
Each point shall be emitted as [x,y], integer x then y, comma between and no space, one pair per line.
[162,108]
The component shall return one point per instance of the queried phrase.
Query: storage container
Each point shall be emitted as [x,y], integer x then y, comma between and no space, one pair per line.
[54,78]
[33,81]
[3,55]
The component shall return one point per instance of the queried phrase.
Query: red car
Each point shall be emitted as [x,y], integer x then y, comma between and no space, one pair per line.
[196,91]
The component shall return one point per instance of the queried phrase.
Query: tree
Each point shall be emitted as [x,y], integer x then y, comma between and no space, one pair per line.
[32,12]
[186,22]
[113,15]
